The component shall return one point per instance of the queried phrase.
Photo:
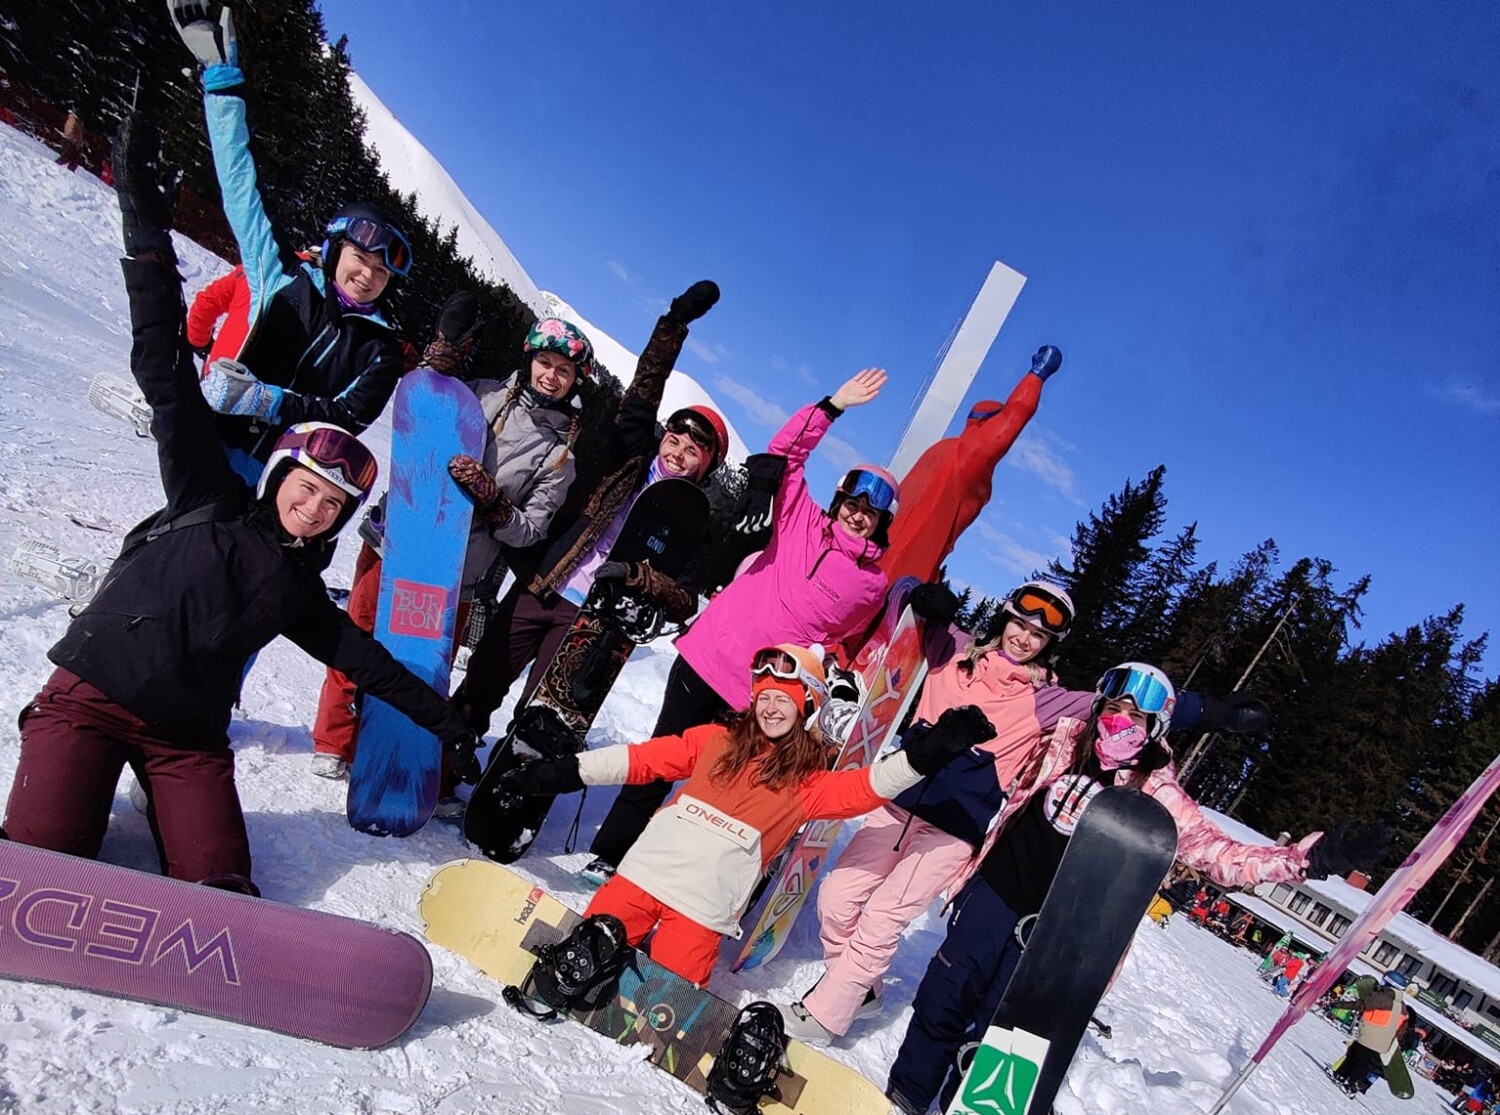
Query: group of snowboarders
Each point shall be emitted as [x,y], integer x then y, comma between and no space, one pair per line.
[262,466]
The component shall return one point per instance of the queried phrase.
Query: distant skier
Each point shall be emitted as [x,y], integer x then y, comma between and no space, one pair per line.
[147,674]
[526,472]
[1122,743]
[817,581]
[750,786]
[318,345]
[950,483]
[555,574]
[1376,1042]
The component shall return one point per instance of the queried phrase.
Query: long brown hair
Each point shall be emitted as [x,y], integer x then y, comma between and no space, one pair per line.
[783,762]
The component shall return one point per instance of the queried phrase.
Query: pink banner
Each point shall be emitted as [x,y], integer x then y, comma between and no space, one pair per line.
[1392,898]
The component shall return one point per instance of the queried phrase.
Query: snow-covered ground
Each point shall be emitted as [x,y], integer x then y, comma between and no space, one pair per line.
[1186,1011]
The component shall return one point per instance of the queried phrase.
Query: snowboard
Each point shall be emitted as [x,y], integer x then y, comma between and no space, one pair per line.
[892,665]
[79,923]
[1116,859]
[496,919]
[665,525]
[393,784]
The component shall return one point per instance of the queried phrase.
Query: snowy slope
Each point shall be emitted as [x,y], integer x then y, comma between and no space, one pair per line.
[412,169]
[1186,1010]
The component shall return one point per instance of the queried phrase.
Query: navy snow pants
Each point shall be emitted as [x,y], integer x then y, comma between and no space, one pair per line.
[957,996]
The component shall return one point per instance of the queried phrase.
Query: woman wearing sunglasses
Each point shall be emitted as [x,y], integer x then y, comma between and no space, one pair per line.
[1119,741]
[750,785]
[317,345]
[147,674]
[817,581]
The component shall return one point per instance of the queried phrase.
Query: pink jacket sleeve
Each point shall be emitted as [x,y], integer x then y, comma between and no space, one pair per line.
[1201,844]
[795,441]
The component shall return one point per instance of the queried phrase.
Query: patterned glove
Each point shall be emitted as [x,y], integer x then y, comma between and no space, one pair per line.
[493,505]
[231,389]
[454,337]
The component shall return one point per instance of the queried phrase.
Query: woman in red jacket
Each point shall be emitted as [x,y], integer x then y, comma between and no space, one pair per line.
[749,787]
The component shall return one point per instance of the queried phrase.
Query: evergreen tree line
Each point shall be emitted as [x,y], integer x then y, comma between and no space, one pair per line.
[1394,730]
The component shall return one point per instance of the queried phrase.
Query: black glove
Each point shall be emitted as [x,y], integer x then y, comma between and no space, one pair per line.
[754,510]
[1351,846]
[934,602]
[613,571]
[1237,714]
[542,777]
[957,730]
[463,763]
[694,302]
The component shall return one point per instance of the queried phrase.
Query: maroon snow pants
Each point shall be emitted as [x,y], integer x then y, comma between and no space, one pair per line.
[75,742]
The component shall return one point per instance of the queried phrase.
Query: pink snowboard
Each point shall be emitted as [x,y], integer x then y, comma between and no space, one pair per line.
[101,928]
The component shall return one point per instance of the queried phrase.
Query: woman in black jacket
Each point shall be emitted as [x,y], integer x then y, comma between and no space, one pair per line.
[148,673]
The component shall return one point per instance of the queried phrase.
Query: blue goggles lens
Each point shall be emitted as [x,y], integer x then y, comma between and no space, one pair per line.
[377,237]
[873,487]
[1149,694]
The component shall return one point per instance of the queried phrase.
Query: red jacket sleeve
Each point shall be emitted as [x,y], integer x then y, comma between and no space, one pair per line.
[671,758]
[836,795]
[984,446]
[210,304]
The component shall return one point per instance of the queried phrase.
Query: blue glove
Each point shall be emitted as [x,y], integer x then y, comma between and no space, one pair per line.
[231,389]
[1047,360]
[212,44]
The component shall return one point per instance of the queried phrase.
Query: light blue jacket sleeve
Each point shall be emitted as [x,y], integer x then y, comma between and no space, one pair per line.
[229,138]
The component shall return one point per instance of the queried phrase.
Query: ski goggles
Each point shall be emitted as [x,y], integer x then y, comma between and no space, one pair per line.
[375,237]
[876,489]
[337,453]
[695,429]
[1148,693]
[1043,607]
[777,663]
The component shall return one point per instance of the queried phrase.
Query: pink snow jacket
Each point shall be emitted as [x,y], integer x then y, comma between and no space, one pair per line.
[814,583]
[1201,844]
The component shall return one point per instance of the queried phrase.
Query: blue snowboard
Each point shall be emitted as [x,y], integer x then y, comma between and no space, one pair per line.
[393,786]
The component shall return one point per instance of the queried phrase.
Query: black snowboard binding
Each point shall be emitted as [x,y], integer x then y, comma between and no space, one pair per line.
[577,973]
[746,1067]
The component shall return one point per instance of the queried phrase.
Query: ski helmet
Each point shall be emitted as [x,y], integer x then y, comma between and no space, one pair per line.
[788,662]
[1040,602]
[879,489]
[366,228]
[706,428]
[330,451]
[1148,689]
[553,334]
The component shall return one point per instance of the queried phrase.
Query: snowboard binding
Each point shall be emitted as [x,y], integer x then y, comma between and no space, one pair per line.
[746,1066]
[577,973]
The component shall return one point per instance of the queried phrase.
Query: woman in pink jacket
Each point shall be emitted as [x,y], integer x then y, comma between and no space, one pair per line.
[1122,743]
[817,581]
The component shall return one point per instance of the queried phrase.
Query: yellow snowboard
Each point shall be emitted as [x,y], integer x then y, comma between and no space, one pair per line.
[494,917]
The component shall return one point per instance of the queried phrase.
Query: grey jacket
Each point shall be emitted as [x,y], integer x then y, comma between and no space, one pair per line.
[529,455]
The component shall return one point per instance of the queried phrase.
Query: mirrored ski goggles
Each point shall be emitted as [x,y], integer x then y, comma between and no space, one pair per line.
[695,429]
[875,488]
[1148,693]
[334,451]
[776,662]
[376,237]
[1043,607]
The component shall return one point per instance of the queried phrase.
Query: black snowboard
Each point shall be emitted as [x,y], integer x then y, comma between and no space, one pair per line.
[1116,859]
[665,526]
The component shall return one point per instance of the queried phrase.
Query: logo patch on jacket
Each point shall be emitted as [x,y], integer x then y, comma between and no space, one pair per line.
[733,829]
[1067,798]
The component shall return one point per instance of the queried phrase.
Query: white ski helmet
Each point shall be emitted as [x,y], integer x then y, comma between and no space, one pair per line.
[1148,689]
[1040,602]
[330,451]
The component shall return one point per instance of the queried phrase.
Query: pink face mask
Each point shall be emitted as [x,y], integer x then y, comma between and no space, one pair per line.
[1118,741]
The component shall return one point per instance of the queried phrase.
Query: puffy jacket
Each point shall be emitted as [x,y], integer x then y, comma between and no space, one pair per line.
[950,483]
[529,455]
[1023,702]
[1201,844]
[814,582]
[337,365]
[705,850]
[170,633]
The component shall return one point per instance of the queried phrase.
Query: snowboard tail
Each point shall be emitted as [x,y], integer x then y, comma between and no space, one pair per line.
[113,931]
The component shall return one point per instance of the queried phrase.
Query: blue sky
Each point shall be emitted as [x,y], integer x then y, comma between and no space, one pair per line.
[1266,238]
